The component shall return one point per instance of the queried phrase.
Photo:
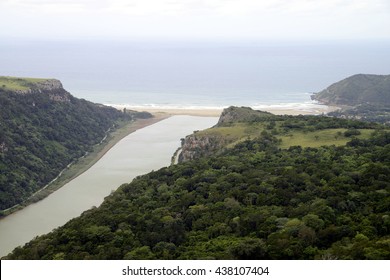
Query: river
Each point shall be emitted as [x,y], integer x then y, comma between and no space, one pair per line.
[138,153]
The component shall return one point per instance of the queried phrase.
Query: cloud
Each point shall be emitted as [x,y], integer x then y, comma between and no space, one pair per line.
[206,7]
[44,6]
[209,18]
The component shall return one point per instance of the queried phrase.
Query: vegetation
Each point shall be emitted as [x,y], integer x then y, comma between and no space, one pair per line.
[258,198]
[356,90]
[366,112]
[42,132]
[364,97]
[304,131]
[21,84]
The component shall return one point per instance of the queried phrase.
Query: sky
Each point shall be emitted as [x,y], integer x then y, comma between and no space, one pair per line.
[196,19]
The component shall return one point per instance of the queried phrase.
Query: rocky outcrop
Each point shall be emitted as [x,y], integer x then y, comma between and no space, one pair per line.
[202,144]
[3,147]
[240,114]
[194,146]
[52,87]
[51,84]
[55,90]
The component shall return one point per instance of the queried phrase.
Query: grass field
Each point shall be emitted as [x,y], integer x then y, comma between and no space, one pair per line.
[12,83]
[294,137]
[320,138]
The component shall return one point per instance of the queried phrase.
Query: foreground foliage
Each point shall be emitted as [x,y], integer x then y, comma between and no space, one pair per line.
[253,201]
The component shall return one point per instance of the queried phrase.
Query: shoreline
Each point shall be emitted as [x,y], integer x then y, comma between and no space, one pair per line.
[82,164]
[315,109]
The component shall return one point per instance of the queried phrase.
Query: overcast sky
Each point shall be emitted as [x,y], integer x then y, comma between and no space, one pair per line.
[196,19]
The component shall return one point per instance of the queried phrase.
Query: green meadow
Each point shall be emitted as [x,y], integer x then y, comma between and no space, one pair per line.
[303,137]
[13,83]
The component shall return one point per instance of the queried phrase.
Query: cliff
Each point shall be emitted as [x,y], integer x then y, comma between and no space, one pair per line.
[240,114]
[25,86]
[195,146]
[231,127]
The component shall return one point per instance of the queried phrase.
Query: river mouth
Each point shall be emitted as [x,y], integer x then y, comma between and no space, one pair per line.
[147,149]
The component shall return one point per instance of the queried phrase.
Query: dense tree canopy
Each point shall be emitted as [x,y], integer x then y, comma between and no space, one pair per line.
[253,201]
[40,136]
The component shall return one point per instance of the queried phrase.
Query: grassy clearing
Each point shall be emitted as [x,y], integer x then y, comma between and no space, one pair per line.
[234,132]
[13,83]
[294,137]
[320,138]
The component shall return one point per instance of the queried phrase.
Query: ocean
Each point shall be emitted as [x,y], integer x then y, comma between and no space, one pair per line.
[172,74]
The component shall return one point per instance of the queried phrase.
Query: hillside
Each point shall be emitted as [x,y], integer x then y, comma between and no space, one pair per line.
[263,196]
[357,90]
[363,97]
[43,128]
[240,124]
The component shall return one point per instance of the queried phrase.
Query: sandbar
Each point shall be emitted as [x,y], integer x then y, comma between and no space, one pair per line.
[315,109]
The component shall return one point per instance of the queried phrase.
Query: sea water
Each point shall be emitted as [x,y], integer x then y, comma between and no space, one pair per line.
[194,74]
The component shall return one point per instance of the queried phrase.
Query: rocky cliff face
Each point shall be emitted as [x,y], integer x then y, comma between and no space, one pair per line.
[202,144]
[240,114]
[51,84]
[52,87]
[195,146]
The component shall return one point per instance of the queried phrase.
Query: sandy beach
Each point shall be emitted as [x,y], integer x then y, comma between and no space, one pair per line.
[315,109]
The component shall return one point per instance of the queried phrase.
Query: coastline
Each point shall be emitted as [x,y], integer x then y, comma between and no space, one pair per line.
[309,109]
[81,165]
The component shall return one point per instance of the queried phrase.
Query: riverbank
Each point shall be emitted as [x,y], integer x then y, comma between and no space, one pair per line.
[78,167]
[141,152]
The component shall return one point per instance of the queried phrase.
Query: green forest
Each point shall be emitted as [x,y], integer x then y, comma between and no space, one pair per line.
[362,96]
[259,195]
[41,133]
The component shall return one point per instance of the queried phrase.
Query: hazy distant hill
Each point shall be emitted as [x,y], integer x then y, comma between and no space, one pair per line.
[42,129]
[364,97]
[356,90]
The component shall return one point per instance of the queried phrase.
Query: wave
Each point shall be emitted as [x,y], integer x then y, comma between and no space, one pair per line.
[309,106]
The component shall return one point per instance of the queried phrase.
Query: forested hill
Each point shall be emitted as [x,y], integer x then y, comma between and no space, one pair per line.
[362,96]
[43,128]
[279,187]
[356,90]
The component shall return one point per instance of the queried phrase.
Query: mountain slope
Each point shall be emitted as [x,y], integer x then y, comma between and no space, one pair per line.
[42,129]
[254,200]
[240,124]
[357,90]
